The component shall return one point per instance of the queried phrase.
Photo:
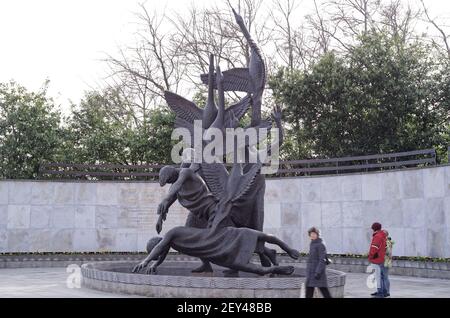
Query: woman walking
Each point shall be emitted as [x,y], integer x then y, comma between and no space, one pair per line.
[316,267]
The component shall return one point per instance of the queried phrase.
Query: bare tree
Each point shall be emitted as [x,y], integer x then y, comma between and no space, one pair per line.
[354,17]
[214,30]
[337,24]
[322,31]
[399,20]
[201,33]
[173,50]
[285,31]
[142,73]
[444,35]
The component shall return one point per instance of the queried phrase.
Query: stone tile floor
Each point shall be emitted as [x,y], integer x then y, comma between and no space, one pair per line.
[51,282]
[401,287]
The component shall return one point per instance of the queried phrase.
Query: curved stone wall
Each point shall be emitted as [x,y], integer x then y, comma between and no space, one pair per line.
[174,279]
[414,205]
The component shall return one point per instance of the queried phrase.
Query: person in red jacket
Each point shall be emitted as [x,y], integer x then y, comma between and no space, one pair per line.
[377,254]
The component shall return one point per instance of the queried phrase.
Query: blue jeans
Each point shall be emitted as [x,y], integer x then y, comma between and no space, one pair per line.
[385,283]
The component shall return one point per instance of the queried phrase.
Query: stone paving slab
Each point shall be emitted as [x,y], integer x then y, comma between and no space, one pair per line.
[401,287]
[43,283]
[51,282]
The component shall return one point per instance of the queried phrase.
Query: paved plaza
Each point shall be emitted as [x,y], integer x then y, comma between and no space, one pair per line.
[51,282]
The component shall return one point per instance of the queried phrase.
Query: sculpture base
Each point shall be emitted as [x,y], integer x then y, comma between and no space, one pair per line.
[174,279]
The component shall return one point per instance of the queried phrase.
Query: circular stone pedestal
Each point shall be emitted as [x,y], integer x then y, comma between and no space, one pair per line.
[174,279]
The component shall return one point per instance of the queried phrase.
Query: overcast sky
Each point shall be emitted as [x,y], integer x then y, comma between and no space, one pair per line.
[64,40]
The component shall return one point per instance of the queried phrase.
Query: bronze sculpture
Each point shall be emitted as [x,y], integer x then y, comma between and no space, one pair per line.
[226,217]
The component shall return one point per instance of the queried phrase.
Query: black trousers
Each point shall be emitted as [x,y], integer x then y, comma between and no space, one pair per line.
[324,290]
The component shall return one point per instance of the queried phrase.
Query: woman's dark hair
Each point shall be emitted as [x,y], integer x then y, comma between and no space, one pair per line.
[314,230]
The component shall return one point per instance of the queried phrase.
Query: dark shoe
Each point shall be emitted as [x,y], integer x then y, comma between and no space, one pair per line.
[378,294]
[374,294]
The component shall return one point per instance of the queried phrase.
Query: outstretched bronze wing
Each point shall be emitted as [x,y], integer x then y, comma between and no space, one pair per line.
[183,108]
[242,183]
[237,79]
[265,124]
[216,177]
[238,109]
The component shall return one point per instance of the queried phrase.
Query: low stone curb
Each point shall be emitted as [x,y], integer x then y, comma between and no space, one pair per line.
[113,277]
[102,271]
[439,270]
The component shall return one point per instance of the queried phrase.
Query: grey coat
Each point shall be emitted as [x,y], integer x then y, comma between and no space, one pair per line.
[316,265]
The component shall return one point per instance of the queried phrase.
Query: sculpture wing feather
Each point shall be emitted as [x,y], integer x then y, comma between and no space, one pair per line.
[238,110]
[237,79]
[183,108]
[265,123]
[246,182]
[216,177]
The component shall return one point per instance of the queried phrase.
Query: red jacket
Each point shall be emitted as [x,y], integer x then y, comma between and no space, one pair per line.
[377,250]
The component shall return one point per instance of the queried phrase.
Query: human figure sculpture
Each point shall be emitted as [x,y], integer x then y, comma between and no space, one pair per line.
[222,244]
[226,217]
[191,191]
[230,247]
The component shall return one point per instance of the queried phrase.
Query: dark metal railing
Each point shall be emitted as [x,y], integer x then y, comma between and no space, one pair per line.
[293,168]
[370,163]
[99,171]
